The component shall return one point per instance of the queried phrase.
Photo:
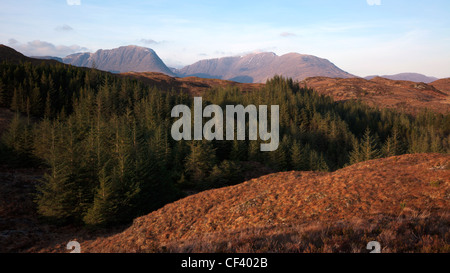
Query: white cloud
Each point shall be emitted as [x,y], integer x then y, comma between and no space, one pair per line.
[287,34]
[149,42]
[12,41]
[73,2]
[374,2]
[64,28]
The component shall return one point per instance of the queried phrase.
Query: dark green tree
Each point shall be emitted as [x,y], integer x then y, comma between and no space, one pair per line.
[56,199]
[200,161]
[105,206]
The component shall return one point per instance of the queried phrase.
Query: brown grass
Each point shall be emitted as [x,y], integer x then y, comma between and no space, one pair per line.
[379,92]
[390,200]
[384,93]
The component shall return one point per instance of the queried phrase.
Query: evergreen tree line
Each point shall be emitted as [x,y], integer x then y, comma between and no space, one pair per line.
[106,141]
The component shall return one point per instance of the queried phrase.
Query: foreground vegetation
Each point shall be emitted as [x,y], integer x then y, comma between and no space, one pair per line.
[106,140]
[400,201]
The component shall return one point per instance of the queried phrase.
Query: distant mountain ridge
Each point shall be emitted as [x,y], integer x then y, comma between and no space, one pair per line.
[412,77]
[48,58]
[258,67]
[251,68]
[122,59]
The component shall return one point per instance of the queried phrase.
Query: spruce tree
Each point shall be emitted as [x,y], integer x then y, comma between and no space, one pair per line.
[392,145]
[56,199]
[35,102]
[281,156]
[297,157]
[238,150]
[200,161]
[355,154]
[105,206]
[48,107]
[19,138]
[317,161]
[15,101]
[2,94]
[369,146]
[254,153]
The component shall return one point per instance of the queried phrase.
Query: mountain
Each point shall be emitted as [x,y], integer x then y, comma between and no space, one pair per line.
[48,58]
[385,93]
[412,77]
[122,59]
[258,67]
[384,200]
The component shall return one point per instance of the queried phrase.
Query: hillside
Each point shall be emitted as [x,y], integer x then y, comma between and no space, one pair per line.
[402,202]
[258,67]
[122,59]
[133,168]
[384,93]
[412,77]
[379,92]
[191,85]
[443,85]
[13,56]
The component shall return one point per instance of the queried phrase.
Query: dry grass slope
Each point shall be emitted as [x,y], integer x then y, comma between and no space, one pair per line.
[402,202]
[406,96]
[384,93]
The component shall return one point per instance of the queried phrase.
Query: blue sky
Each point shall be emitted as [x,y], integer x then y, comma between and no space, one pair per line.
[363,37]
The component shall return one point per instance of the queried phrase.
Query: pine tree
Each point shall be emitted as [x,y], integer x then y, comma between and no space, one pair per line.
[19,139]
[105,206]
[238,150]
[297,157]
[48,107]
[254,153]
[435,142]
[392,145]
[2,94]
[369,146]
[56,199]
[317,161]
[356,154]
[280,157]
[35,102]
[15,101]
[12,138]
[226,173]
[200,161]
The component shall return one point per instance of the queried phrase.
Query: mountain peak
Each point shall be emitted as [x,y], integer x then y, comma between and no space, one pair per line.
[261,53]
[122,59]
[257,67]
[412,77]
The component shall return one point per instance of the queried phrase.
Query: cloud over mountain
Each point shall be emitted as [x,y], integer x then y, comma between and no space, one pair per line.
[43,48]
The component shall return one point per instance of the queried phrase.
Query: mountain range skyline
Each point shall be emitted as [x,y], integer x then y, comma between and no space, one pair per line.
[363,37]
[133,58]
